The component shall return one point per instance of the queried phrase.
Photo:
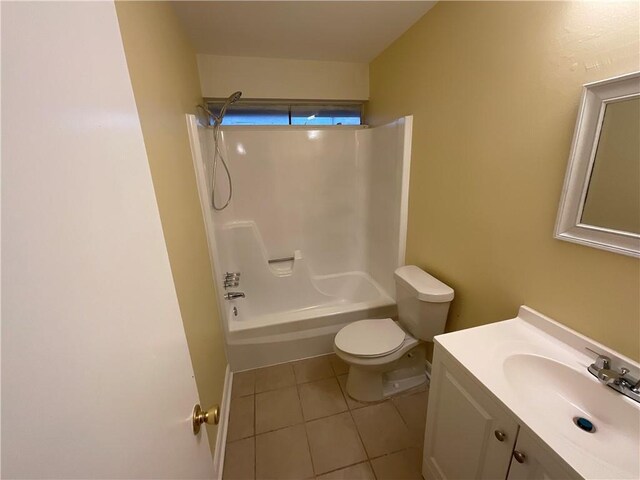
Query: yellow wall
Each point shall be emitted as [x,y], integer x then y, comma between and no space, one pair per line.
[286,78]
[495,89]
[164,74]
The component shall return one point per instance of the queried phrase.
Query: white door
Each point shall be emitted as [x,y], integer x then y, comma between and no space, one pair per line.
[96,376]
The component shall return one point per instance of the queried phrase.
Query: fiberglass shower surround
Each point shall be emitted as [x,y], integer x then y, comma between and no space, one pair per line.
[317,226]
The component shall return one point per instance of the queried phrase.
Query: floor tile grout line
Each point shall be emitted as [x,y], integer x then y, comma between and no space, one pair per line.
[301,406]
[344,467]
[402,416]
[306,434]
[370,458]
[304,421]
[375,476]
[289,385]
[354,424]
[393,452]
[418,467]
[331,414]
[255,458]
[227,440]
[395,407]
[327,416]
[353,419]
[240,439]
[344,394]
[292,363]
[334,374]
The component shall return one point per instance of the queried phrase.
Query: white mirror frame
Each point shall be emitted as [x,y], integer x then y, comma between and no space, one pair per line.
[595,97]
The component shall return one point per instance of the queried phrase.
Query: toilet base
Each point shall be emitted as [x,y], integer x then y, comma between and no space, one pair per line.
[369,384]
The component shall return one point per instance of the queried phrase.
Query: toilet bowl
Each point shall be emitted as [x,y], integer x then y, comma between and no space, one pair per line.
[387,357]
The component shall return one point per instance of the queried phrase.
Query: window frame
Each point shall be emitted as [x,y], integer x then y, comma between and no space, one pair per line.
[214,104]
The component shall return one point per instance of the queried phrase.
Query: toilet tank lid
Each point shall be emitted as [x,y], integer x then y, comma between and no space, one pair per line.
[423,285]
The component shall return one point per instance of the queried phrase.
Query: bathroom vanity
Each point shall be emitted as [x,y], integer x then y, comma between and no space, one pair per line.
[515,400]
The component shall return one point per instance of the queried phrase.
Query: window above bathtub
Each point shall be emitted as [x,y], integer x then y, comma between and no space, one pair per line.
[288,112]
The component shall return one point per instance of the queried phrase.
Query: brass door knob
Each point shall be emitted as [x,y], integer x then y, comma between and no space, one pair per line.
[500,435]
[211,416]
[519,456]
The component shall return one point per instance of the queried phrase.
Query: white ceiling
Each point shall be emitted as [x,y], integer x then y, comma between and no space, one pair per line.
[310,30]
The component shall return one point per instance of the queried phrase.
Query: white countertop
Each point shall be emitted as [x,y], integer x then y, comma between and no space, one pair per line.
[538,369]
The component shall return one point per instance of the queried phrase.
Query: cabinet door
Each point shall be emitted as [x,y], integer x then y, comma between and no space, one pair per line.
[468,435]
[533,460]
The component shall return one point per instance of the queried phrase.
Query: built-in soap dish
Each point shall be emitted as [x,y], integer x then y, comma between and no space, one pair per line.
[284,265]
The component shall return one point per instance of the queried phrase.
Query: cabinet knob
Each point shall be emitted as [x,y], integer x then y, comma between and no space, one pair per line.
[500,435]
[519,456]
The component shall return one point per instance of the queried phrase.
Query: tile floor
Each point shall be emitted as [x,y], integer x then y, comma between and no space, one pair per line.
[296,421]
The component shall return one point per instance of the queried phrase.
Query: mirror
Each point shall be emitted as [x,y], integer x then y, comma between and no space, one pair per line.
[600,204]
[613,194]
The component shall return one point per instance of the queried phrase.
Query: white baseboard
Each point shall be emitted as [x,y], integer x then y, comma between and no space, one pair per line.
[221,438]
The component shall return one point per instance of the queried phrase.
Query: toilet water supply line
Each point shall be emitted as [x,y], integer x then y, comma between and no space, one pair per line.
[217,122]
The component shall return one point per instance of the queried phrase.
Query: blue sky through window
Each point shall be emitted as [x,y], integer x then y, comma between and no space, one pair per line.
[290,114]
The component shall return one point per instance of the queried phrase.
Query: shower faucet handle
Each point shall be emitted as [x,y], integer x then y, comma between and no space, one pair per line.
[231,280]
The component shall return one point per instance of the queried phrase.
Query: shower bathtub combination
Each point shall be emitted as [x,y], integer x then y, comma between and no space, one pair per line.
[315,229]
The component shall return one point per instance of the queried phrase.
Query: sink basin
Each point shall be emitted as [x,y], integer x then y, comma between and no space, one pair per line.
[561,393]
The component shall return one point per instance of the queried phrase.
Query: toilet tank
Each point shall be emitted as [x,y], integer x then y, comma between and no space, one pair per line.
[423,302]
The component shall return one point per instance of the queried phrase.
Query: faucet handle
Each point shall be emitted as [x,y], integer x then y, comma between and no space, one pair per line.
[602,361]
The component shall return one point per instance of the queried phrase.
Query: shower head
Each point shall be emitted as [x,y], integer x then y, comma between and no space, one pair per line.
[233,98]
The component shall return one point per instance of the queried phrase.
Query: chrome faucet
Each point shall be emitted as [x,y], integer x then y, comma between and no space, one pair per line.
[618,380]
[233,295]
[231,279]
[231,284]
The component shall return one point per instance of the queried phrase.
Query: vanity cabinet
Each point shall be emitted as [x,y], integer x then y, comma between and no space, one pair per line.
[471,435]
[538,462]
[468,434]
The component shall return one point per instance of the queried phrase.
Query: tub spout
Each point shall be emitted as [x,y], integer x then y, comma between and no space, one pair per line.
[233,295]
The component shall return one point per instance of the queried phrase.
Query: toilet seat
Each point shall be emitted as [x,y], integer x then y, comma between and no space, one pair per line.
[370,338]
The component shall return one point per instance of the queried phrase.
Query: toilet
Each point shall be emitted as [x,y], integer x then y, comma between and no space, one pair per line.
[387,357]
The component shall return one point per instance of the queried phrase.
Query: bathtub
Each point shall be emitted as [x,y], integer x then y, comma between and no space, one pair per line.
[298,335]
[339,293]
[288,312]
